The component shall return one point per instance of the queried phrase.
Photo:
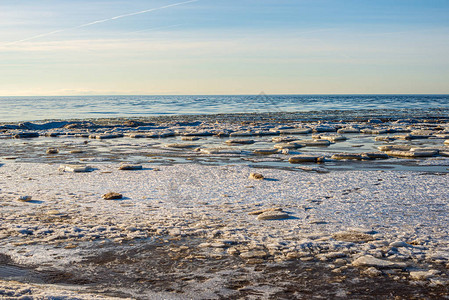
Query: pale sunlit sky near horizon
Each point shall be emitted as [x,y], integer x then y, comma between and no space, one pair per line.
[93,47]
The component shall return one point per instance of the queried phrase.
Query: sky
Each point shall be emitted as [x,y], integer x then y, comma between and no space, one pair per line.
[200,47]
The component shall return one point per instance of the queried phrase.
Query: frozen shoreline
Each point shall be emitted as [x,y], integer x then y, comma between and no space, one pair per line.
[263,139]
[336,218]
[360,207]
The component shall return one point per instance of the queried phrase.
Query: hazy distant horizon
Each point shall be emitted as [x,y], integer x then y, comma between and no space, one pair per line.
[193,95]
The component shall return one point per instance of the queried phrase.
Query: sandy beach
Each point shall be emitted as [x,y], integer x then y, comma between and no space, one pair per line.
[223,221]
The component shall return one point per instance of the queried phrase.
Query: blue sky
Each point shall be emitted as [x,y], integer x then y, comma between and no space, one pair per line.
[61,47]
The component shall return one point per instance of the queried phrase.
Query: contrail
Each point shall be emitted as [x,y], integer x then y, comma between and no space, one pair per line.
[100,21]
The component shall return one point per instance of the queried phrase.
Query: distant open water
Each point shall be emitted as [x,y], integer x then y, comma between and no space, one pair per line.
[13,109]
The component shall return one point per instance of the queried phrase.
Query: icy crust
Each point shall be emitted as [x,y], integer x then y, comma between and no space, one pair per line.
[360,219]
[270,140]
[18,290]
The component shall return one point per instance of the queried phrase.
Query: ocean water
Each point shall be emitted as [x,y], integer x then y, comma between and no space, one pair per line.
[13,109]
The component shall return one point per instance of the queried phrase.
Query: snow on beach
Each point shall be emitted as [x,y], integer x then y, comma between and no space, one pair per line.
[224,208]
[372,221]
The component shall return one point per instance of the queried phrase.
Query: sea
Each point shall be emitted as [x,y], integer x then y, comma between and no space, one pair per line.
[15,109]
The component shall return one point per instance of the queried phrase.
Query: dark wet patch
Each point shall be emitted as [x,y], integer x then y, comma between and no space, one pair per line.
[177,266]
[314,280]
[5,259]
[11,271]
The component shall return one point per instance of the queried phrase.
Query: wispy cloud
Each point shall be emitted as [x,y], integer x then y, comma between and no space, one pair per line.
[99,22]
[302,44]
[157,28]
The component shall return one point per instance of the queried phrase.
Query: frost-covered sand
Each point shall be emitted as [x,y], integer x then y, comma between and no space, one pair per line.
[187,231]
[263,206]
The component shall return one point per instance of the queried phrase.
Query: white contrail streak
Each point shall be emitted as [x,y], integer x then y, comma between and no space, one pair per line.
[135,13]
[100,21]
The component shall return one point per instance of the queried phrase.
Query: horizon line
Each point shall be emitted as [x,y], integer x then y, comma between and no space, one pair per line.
[238,94]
